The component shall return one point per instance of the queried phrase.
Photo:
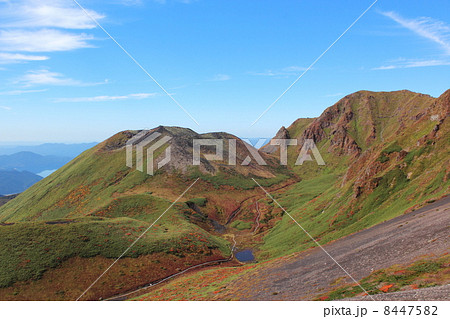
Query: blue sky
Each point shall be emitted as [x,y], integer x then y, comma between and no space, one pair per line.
[64,80]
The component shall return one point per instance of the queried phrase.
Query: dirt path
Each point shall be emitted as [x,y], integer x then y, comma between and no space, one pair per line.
[400,240]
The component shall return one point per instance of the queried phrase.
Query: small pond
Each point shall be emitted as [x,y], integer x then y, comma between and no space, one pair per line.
[245,255]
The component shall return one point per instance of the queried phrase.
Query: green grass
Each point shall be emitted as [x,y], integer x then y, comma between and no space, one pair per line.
[83,185]
[240,225]
[30,249]
[392,148]
[286,237]
[144,207]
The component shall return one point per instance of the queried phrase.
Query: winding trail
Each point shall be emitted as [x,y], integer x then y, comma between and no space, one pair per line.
[257,218]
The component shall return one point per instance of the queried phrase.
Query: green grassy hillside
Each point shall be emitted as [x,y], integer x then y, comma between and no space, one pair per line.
[389,156]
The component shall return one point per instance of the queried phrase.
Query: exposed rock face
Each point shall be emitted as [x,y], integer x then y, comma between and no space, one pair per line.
[441,108]
[335,120]
[359,127]
[342,143]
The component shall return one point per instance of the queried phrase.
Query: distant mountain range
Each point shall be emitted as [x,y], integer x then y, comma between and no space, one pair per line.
[22,166]
[12,181]
[31,162]
[55,149]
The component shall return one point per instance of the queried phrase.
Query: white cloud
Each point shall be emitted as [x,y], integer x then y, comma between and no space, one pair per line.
[45,40]
[7,58]
[431,29]
[221,77]
[49,13]
[42,26]
[46,77]
[403,64]
[105,98]
[7,108]
[284,72]
[20,92]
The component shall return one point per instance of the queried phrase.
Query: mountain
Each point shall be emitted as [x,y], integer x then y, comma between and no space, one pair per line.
[12,182]
[31,162]
[386,153]
[55,149]
[102,171]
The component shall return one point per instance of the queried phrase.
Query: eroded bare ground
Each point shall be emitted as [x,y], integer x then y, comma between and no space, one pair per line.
[424,232]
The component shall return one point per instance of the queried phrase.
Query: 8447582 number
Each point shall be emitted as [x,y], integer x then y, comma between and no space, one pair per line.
[411,310]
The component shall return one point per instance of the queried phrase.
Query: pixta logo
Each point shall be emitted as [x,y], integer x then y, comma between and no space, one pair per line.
[143,143]
[218,144]
[151,143]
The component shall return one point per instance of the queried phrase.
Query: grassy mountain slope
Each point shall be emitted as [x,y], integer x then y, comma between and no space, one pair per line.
[386,152]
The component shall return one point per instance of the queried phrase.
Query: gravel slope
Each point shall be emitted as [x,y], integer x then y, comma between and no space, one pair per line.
[398,241]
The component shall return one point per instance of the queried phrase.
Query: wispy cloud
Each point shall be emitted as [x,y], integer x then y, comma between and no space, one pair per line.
[45,40]
[49,13]
[46,77]
[42,26]
[20,92]
[8,58]
[220,77]
[284,72]
[431,29]
[404,63]
[7,108]
[106,98]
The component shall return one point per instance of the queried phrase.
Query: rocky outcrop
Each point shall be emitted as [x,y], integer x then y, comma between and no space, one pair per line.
[335,120]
